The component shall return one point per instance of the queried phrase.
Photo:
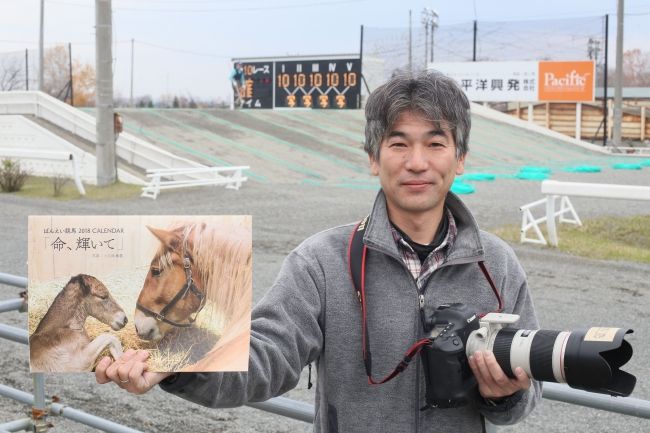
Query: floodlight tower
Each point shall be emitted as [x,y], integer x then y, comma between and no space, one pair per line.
[429,20]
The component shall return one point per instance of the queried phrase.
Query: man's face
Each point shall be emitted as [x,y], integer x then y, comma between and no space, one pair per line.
[416,166]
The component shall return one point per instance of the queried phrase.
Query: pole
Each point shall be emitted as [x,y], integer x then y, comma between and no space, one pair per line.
[41,50]
[474,51]
[618,78]
[605,113]
[361,62]
[71,82]
[433,26]
[105,149]
[132,50]
[426,43]
[410,44]
[26,69]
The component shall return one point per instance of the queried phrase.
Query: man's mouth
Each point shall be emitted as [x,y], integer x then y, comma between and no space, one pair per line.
[416,183]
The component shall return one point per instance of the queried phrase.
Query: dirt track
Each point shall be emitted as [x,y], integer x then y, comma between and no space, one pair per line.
[568,291]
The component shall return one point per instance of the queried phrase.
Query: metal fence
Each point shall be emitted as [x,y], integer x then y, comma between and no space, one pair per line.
[279,405]
[414,47]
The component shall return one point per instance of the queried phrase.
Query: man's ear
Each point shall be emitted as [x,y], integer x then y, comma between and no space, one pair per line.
[460,167]
[374,165]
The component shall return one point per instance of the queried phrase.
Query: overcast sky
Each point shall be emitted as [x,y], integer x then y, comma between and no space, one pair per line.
[184,46]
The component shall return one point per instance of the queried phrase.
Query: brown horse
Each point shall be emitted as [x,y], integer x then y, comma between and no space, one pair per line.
[197,266]
[60,342]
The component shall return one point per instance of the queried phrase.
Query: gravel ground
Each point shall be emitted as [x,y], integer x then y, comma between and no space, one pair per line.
[568,291]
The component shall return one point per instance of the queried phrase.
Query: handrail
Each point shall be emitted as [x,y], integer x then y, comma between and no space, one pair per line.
[305,412]
[129,147]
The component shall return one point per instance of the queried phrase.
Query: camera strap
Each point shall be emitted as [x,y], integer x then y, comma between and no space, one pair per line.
[357,267]
[357,251]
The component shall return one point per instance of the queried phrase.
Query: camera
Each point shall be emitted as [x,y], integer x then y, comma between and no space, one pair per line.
[584,359]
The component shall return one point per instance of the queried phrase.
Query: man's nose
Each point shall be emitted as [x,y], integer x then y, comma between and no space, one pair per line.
[416,159]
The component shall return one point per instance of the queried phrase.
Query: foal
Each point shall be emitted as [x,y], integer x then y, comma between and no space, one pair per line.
[60,342]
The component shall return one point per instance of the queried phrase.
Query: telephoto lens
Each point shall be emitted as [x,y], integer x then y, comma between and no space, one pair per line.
[584,359]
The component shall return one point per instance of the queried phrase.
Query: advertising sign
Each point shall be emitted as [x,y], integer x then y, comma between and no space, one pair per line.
[523,81]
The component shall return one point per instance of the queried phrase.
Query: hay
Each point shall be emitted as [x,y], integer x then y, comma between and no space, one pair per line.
[177,350]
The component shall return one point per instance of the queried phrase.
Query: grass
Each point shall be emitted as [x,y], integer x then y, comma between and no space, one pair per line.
[42,187]
[610,238]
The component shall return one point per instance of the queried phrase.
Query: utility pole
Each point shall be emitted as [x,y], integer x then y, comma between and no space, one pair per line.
[131,99]
[410,44]
[618,78]
[26,69]
[105,149]
[425,22]
[605,73]
[434,26]
[41,50]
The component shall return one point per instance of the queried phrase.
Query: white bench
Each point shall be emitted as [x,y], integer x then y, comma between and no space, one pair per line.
[168,178]
[554,189]
[27,155]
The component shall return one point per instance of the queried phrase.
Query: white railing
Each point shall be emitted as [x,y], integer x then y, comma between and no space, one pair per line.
[128,147]
[168,178]
[27,156]
[554,189]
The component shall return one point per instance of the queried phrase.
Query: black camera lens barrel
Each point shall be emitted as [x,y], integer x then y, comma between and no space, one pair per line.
[539,352]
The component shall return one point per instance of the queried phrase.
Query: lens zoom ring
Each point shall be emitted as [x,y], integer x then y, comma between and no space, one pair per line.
[541,355]
[501,349]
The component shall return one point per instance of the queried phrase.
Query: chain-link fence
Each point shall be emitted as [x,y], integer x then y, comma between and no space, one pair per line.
[19,70]
[387,50]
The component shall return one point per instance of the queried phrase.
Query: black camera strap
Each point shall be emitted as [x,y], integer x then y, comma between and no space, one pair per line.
[357,251]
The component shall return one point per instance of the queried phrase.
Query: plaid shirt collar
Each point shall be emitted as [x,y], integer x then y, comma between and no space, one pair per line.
[422,271]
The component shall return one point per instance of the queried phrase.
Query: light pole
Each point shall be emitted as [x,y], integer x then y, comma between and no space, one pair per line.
[429,19]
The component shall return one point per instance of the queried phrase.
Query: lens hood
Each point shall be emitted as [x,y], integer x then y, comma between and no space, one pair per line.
[592,361]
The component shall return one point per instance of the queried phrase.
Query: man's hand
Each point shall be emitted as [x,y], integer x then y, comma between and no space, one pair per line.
[492,381]
[129,372]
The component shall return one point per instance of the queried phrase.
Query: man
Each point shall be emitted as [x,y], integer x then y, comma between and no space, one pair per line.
[423,251]
[238,84]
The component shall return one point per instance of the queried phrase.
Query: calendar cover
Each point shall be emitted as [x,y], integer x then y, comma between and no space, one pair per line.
[179,287]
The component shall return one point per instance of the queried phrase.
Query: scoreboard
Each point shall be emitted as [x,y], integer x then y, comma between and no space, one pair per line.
[258,84]
[320,83]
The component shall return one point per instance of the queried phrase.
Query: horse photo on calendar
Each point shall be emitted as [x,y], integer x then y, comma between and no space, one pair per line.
[181,285]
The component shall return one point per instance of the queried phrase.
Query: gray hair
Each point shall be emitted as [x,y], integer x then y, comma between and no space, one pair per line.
[431,94]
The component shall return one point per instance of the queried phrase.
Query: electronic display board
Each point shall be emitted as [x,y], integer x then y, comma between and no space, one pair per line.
[317,82]
[258,84]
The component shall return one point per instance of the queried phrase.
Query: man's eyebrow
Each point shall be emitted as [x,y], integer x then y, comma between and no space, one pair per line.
[434,133]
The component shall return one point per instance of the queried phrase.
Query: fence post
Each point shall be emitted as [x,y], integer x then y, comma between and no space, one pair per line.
[579,120]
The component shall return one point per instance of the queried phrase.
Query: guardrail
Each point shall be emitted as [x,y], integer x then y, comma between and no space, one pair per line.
[291,408]
[128,147]
[47,155]
[554,189]
[168,178]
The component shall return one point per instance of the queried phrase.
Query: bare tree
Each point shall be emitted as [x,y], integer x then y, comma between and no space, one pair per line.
[11,74]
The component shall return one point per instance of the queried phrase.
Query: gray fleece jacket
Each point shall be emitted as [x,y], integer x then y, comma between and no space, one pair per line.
[312,314]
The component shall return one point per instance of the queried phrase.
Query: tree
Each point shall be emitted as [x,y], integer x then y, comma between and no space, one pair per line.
[636,70]
[11,74]
[56,77]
